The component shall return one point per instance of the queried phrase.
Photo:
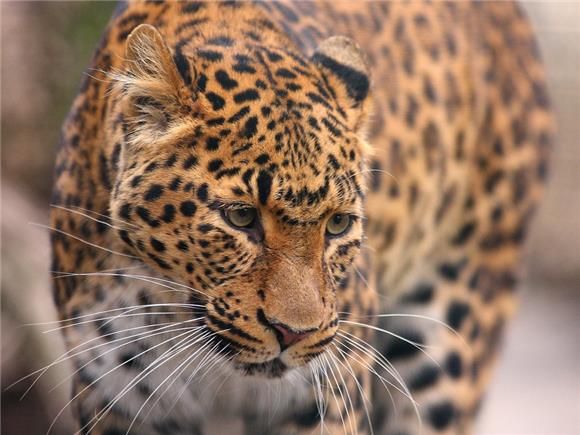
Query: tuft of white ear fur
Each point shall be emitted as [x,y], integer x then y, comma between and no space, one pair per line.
[149,63]
[150,84]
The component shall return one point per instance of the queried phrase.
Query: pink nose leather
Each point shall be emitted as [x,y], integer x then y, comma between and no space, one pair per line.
[290,337]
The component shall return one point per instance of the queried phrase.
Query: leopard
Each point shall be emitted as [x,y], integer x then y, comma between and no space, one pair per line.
[296,217]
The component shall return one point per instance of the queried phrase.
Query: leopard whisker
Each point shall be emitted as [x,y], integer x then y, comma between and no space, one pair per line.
[146,278]
[359,360]
[206,362]
[142,336]
[375,170]
[405,392]
[96,313]
[419,346]
[166,356]
[63,357]
[340,392]
[335,360]
[318,392]
[367,246]
[364,280]
[348,395]
[111,318]
[321,372]
[189,378]
[76,396]
[391,370]
[86,210]
[373,371]
[361,392]
[351,348]
[79,213]
[221,355]
[113,269]
[135,308]
[180,368]
[385,364]
[322,384]
[417,316]
[360,275]
[86,242]
[225,360]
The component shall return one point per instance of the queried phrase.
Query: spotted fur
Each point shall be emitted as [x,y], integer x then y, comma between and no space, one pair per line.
[429,128]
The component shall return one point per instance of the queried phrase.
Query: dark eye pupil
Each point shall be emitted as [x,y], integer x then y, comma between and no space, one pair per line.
[338,219]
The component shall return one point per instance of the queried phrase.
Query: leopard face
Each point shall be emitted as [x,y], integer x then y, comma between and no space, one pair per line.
[241,176]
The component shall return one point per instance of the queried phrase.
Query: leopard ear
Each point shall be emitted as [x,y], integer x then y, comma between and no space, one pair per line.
[156,84]
[343,63]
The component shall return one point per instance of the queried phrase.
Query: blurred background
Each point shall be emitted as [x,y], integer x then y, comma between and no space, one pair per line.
[45,49]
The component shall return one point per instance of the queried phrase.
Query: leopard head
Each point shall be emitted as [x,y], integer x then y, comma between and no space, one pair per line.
[241,173]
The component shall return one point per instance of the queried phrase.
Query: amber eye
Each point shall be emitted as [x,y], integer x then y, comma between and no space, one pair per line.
[241,217]
[338,224]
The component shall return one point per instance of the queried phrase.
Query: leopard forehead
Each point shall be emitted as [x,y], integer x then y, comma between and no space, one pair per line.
[262,124]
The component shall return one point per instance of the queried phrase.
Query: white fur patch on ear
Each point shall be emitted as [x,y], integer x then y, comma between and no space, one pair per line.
[146,52]
[149,66]
[344,59]
[154,88]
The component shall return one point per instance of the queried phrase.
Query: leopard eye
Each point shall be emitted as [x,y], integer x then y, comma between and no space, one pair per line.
[241,217]
[338,224]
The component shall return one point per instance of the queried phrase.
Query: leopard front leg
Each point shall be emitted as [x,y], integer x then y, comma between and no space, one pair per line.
[441,339]
[341,398]
[105,409]
[127,377]
[121,407]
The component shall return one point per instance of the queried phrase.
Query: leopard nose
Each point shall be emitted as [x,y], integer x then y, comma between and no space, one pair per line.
[288,336]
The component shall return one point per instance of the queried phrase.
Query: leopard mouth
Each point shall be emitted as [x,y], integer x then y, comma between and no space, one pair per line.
[263,359]
[274,368]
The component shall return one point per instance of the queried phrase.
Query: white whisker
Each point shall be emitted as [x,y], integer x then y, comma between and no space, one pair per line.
[111,318]
[86,210]
[110,251]
[380,360]
[67,355]
[364,400]
[142,337]
[87,216]
[166,356]
[419,346]
[341,395]
[375,170]
[108,372]
[417,316]
[96,313]
[385,365]
[146,278]
[183,364]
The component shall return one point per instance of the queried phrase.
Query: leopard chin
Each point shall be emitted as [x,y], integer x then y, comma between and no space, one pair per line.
[271,369]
